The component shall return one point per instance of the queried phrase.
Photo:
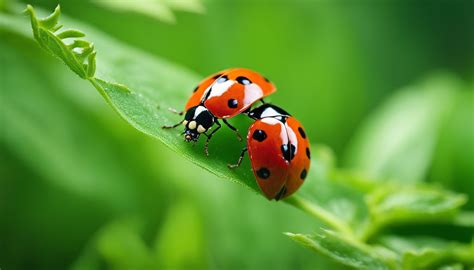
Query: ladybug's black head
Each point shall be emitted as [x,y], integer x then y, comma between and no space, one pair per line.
[197,120]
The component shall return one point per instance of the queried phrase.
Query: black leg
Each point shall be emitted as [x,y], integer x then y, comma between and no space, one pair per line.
[263,101]
[234,129]
[206,145]
[173,126]
[175,111]
[232,166]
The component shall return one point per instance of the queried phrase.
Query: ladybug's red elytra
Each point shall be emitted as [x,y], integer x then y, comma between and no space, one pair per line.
[221,96]
[279,151]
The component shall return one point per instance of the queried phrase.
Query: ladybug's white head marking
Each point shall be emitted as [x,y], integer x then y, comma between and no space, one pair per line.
[201,129]
[192,125]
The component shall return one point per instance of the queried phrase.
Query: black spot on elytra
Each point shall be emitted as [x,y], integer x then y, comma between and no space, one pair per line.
[222,79]
[243,80]
[308,153]
[281,193]
[195,89]
[259,135]
[303,174]
[232,103]
[263,173]
[300,129]
[288,152]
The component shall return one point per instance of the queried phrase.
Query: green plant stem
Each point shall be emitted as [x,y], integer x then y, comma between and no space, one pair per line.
[321,214]
[372,228]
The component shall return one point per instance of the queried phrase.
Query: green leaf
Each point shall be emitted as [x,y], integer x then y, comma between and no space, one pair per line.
[51,21]
[398,140]
[452,163]
[345,251]
[390,205]
[428,252]
[158,9]
[71,33]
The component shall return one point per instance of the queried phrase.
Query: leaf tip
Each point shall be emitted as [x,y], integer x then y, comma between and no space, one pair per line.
[51,21]
[29,10]
[57,10]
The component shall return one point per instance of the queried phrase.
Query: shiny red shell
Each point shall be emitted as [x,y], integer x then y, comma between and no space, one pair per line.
[279,173]
[230,92]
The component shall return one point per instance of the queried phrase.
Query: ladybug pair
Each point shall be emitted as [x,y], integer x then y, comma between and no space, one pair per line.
[277,143]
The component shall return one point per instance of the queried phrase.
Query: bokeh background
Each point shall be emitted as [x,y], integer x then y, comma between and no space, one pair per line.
[77,184]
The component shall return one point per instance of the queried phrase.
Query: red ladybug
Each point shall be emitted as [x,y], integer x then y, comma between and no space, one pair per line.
[221,96]
[278,150]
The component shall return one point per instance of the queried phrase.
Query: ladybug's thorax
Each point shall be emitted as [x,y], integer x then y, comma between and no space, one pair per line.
[268,111]
[197,120]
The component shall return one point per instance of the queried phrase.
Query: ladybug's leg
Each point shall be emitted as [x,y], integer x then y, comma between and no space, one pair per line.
[173,126]
[175,111]
[232,166]
[263,101]
[234,129]
[206,145]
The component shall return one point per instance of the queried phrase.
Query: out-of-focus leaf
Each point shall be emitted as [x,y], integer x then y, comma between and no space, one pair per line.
[390,205]
[455,266]
[186,5]
[464,218]
[428,252]
[345,251]
[41,136]
[122,247]
[452,164]
[158,9]
[171,252]
[398,140]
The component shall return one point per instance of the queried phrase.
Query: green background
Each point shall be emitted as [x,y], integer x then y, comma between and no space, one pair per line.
[78,184]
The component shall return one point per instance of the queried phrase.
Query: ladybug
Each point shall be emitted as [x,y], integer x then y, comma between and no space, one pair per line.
[279,151]
[221,96]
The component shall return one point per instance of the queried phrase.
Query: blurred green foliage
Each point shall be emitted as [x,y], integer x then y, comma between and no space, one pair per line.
[79,188]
